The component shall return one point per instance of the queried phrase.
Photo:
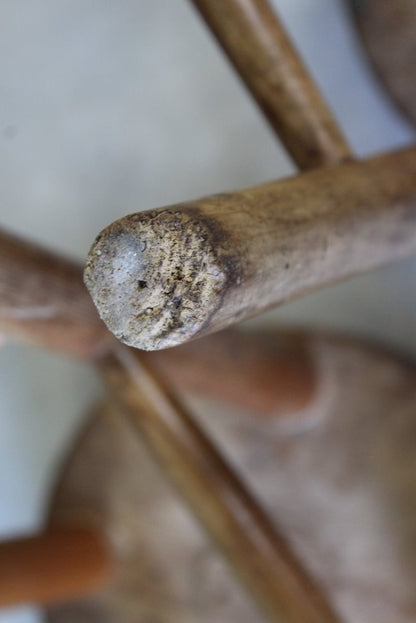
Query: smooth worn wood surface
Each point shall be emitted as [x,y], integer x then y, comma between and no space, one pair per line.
[267,61]
[219,499]
[388,30]
[341,483]
[43,301]
[163,277]
[62,564]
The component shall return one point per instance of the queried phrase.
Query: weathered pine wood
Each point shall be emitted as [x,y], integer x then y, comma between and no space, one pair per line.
[162,277]
[227,510]
[43,301]
[343,491]
[62,564]
[267,61]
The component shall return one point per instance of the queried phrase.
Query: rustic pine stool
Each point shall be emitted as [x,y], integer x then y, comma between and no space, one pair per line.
[321,428]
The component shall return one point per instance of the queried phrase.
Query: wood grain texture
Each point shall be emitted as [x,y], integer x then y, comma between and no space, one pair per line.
[388,32]
[341,484]
[221,502]
[267,61]
[43,301]
[162,277]
[61,564]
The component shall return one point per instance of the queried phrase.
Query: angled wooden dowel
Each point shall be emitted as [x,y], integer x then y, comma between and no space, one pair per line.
[227,510]
[262,53]
[166,276]
[59,565]
[43,301]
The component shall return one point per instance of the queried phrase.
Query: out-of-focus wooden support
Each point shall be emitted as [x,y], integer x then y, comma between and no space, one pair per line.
[227,510]
[264,56]
[163,277]
[388,32]
[64,563]
[342,490]
[269,373]
[44,301]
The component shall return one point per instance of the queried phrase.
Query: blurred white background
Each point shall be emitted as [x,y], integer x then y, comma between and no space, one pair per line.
[109,107]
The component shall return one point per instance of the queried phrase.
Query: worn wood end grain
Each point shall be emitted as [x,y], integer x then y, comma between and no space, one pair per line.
[157,276]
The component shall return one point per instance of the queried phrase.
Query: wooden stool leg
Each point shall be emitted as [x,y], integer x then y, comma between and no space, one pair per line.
[62,564]
[226,509]
[263,54]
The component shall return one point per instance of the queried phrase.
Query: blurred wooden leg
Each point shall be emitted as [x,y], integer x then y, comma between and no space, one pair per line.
[44,302]
[388,31]
[341,490]
[269,373]
[64,563]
